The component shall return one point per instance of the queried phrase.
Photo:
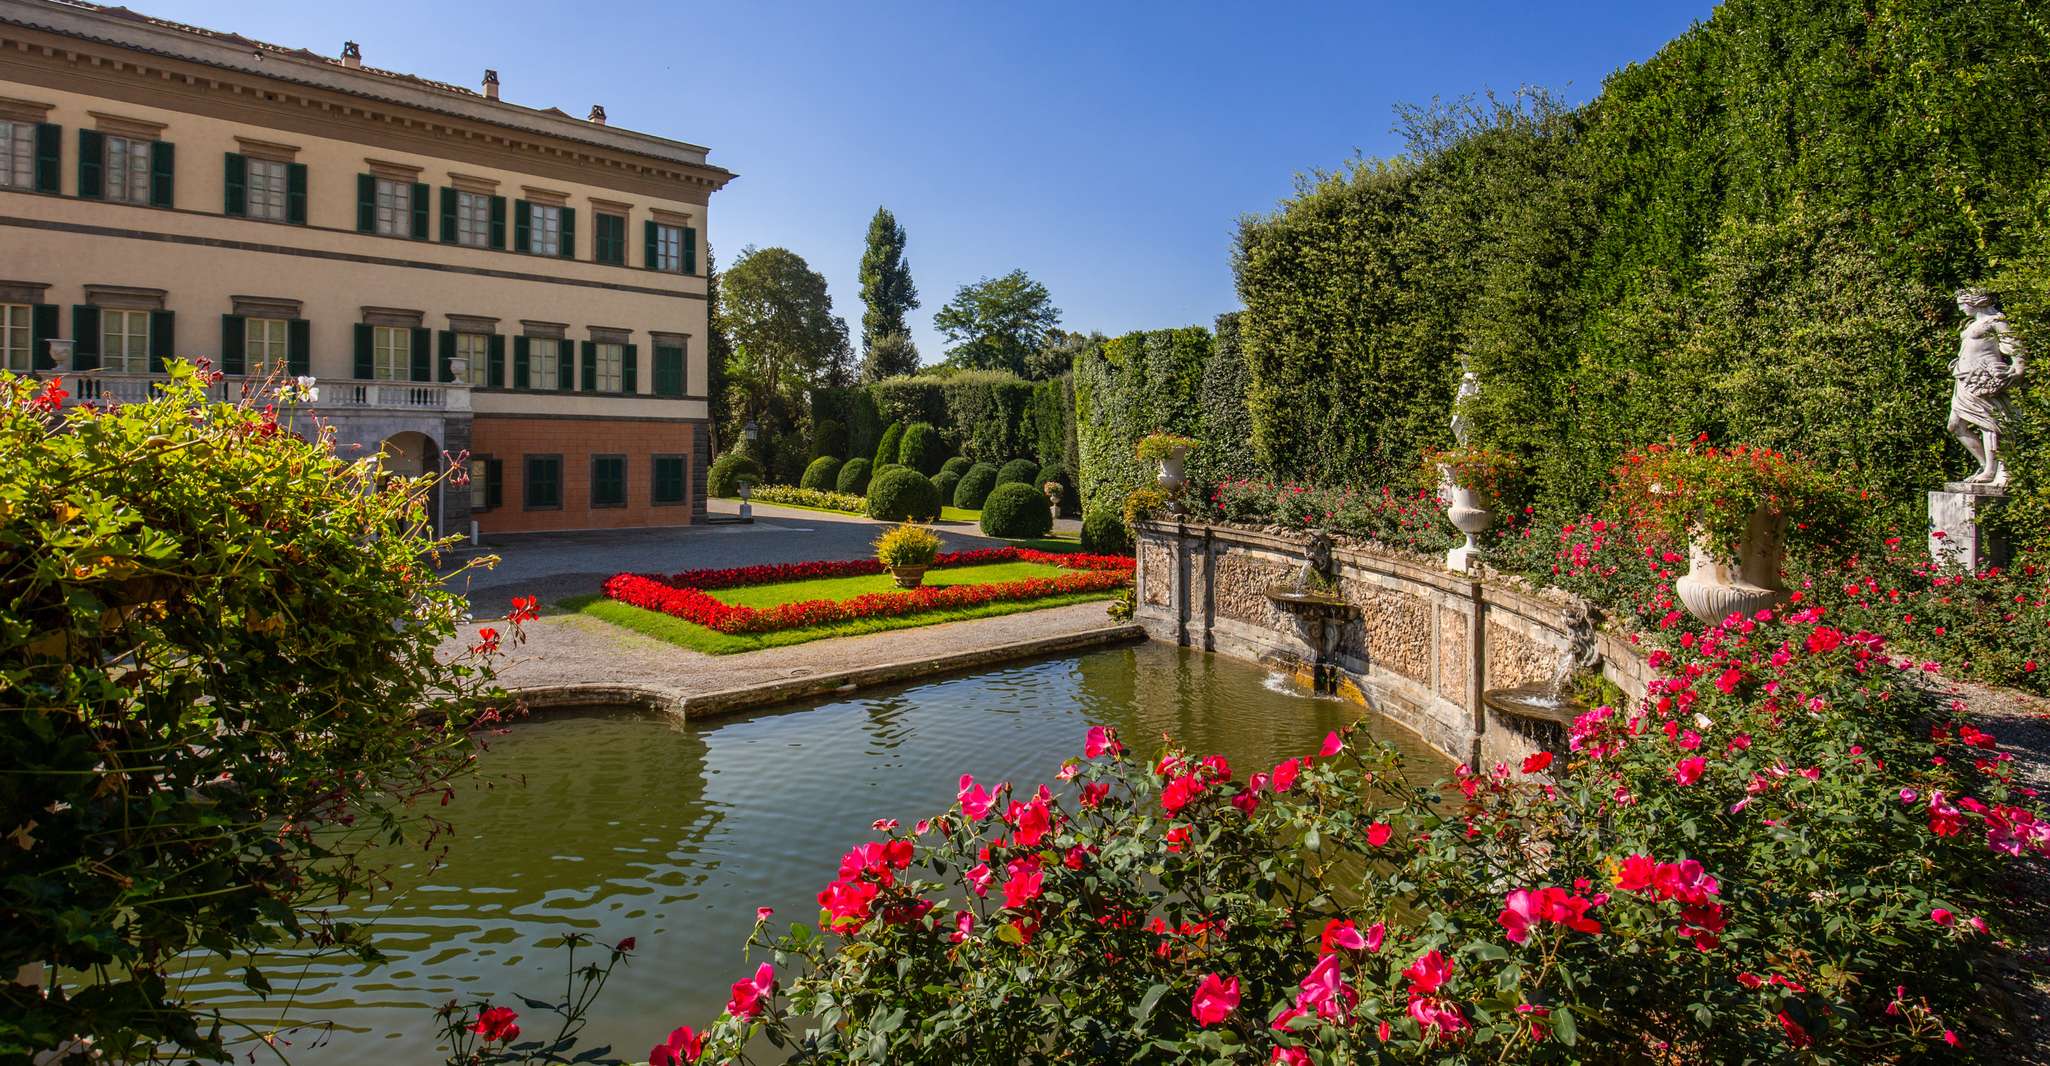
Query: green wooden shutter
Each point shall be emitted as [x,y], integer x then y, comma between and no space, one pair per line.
[494,483]
[423,358]
[498,222]
[366,203]
[366,356]
[234,344]
[448,215]
[669,371]
[590,366]
[630,370]
[523,227]
[495,375]
[447,346]
[237,197]
[42,329]
[49,158]
[568,248]
[565,364]
[299,347]
[162,340]
[648,240]
[690,250]
[92,163]
[420,195]
[162,166]
[85,337]
[295,193]
[519,378]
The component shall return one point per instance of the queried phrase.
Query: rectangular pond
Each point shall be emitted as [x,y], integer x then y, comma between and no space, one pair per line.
[634,824]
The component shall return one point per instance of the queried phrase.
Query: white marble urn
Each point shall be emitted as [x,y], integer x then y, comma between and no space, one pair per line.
[1174,473]
[1717,584]
[1472,512]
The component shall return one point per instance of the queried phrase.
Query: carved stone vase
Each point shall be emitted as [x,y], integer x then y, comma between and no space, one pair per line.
[1717,584]
[1174,475]
[1472,512]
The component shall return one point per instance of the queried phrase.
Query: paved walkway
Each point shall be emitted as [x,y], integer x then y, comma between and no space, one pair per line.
[565,650]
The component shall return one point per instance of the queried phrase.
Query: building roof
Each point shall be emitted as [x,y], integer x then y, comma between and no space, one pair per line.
[130,29]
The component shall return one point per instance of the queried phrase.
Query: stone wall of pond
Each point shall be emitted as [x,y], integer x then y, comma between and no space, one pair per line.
[1419,644]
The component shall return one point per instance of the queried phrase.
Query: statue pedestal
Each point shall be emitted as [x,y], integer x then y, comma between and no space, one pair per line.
[1957,530]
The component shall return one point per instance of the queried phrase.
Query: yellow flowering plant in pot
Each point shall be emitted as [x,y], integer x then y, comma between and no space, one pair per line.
[907,550]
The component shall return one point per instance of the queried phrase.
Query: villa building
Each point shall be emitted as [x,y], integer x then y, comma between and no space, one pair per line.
[460,273]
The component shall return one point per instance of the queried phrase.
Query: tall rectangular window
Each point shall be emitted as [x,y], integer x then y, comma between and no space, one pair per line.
[608,481]
[394,208]
[668,249]
[17,155]
[392,353]
[611,367]
[543,487]
[16,339]
[609,242]
[476,347]
[124,341]
[266,189]
[264,346]
[668,487]
[127,171]
[542,363]
[473,219]
[544,223]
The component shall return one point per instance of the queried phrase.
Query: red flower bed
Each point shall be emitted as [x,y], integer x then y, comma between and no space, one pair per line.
[684,595]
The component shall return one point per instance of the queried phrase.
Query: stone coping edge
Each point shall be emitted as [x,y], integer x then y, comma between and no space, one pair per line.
[694,706]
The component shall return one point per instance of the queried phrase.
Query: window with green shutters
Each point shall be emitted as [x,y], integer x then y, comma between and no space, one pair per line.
[542,488]
[609,240]
[487,483]
[669,371]
[17,338]
[668,486]
[608,481]
[30,153]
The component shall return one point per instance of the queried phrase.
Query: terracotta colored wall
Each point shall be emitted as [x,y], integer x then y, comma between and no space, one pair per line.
[510,440]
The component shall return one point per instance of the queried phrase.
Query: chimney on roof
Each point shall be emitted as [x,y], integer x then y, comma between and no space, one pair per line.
[598,114]
[490,84]
[352,55]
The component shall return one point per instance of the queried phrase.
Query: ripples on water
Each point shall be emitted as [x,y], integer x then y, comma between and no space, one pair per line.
[629,824]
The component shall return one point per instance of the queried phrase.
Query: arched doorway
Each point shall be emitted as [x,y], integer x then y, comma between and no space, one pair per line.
[410,455]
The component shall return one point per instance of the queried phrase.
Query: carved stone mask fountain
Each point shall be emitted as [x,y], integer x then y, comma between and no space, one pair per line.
[1543,713]
[1315,601]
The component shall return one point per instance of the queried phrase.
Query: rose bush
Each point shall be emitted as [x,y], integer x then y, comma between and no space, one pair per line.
[1787,851]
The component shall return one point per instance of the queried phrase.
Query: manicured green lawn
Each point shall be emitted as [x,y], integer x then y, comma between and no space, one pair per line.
[951,513]
[712,642]
[842,588]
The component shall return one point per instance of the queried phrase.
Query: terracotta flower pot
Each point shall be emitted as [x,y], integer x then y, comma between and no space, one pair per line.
[909,577]
[1717,585]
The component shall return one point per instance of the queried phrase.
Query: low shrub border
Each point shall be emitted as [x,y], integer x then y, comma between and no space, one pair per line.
[803,497]
[684,595]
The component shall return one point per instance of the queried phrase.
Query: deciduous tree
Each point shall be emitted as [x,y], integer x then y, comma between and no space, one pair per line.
[998,323]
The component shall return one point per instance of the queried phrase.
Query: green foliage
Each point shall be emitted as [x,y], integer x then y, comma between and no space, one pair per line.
[854,477]
[855,409]
[1222,418]
[1051,415]
[946,482]
[887,292]
[888,356]
[727,470]
[1018,472]
[901,494]
[975,486]
[890,445]
[1015,511]
[921,449]
[223,652]
[828,439]
[822,475]
[907,545]
[827,499]
[957,465]
[786,338]
[998,324]
[1104,532]
[1675,493]
[1128,387]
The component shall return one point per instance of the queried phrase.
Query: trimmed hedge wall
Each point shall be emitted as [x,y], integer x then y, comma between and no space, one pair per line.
[985,416]
[1126,388]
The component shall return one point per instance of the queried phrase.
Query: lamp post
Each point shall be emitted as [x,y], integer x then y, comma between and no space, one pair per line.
[749,433]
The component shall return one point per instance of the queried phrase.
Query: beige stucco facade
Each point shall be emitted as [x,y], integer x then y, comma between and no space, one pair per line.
[214,98]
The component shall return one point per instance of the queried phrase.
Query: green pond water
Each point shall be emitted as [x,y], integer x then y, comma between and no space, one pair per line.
[632,824]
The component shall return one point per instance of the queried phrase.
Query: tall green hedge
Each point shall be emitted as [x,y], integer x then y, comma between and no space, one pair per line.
[988,416]
[1754,234]
[1224,424]
[1126,388]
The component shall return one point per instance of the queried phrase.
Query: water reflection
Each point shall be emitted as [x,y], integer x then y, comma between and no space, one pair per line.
[632,825]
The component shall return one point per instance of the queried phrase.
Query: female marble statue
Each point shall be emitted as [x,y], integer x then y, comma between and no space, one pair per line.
[1989,359]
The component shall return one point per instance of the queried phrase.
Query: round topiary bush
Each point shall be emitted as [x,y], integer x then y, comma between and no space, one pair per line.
[901,494]
[829,438]
[1103,532]
[946,482]
[823,474]
[957,466]
[891,444]
[724,479]
[1018,472]
[1016,511]
[975,486]
[854,477]
[922,449]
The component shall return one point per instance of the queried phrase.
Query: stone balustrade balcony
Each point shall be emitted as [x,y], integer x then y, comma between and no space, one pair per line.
[335,395]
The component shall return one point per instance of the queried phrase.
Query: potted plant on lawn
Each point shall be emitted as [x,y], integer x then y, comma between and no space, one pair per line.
[1471,481]
[1733,508]
[1168,452]
[906,551]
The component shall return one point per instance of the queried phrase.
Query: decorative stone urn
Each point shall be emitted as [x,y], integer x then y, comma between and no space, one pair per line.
[1174,473]
[459,369]
[1471,511]
[1053,496]
[909,577]
[1717,585]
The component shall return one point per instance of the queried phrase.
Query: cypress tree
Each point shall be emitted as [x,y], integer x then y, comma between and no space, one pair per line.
[886,287]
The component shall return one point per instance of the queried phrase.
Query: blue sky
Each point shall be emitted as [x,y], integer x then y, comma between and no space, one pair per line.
[1107,149]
